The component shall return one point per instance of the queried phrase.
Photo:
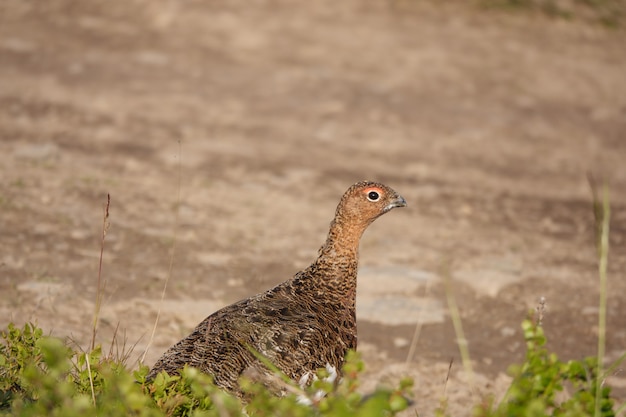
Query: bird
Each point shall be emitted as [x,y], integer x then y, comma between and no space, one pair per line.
[303,324]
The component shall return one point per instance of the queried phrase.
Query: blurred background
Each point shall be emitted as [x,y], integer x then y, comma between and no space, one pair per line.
[226,132]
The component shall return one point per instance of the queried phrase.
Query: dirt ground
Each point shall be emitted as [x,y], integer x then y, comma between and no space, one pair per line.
[225,133]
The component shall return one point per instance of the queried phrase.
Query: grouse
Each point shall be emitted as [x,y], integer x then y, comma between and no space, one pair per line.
[303,324]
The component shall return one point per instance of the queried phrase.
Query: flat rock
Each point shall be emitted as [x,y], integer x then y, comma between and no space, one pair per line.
[392,280]
[491,275]
[388,295]
[38,151]
[398,310]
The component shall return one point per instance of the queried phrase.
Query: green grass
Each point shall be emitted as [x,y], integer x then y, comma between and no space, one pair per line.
[609,13]
[41,375]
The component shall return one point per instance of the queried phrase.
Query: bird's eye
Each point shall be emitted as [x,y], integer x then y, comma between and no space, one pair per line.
[373,196]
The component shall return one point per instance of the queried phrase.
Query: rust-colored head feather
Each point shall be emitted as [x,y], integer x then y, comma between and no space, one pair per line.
[360,205]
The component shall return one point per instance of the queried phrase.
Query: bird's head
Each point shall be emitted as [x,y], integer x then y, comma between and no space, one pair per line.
[366,200]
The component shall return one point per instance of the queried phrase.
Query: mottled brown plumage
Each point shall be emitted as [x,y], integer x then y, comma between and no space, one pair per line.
[301,325]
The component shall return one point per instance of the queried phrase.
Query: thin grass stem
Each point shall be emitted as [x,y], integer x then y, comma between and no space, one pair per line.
[458,330]
[101,285]
[93,392]
[603,265]
[172,254]
[418,329]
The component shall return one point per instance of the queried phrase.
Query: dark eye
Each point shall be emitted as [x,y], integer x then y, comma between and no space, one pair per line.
[373,196]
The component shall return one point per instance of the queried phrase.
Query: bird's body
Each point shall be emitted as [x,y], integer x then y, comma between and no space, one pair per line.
[303,324]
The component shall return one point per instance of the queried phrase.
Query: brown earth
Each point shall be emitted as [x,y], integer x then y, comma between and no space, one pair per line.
[225,133]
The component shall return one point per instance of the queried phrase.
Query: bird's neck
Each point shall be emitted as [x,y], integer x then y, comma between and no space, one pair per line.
[342,241]
[338,261]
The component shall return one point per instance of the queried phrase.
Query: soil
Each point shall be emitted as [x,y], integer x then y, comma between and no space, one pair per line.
[225,133]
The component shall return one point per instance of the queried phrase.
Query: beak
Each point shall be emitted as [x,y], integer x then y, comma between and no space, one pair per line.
[399,201]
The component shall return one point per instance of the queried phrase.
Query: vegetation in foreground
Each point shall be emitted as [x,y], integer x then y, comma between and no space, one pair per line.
[42,375]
